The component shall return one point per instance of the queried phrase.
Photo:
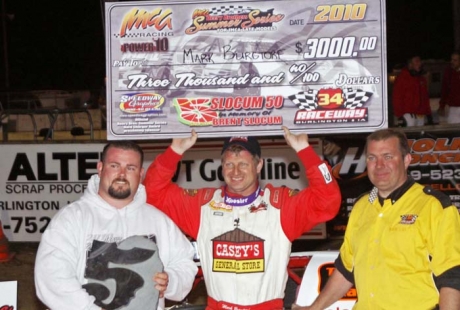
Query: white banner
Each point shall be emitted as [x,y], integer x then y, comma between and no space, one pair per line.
[8,295]
[38,180]
[317,272]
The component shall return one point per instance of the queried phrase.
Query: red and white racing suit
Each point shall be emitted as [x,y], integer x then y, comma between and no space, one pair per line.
[244,250]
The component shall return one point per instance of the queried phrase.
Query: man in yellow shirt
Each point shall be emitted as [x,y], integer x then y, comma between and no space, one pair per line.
[402,244]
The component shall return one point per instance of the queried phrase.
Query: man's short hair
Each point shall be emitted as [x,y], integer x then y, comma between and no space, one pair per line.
[124,145]
[384,134]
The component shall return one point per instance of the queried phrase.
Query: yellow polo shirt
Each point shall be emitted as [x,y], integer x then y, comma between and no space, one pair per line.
[395,249]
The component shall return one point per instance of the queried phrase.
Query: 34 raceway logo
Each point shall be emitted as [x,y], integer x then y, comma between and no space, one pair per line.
[331,105]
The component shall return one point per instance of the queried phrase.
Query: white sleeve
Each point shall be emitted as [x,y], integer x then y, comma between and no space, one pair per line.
[178,264]
[56,266]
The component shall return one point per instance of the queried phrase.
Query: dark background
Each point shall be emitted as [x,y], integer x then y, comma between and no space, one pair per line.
[61,45]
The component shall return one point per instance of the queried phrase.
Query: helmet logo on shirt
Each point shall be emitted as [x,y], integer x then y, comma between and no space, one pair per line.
[221,206]
[408,219]
[261,207]
[190,192]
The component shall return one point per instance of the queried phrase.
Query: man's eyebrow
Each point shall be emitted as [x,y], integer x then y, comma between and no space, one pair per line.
[112,162]
[380,154]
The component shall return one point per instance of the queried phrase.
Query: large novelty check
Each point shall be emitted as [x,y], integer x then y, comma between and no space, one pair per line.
[245,67]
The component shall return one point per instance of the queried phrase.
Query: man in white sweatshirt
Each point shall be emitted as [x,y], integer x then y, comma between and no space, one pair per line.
[110,249]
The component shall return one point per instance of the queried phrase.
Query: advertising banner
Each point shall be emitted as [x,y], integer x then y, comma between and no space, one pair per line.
[37,182]
[244,66]
[435,162]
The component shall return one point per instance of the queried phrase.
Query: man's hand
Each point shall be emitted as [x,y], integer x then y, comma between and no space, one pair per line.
[297,142]
[162,280]
[180,145]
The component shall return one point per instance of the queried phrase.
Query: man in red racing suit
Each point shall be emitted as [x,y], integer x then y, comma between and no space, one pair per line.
[244,232]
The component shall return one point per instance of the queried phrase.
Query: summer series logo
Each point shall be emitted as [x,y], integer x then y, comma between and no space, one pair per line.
[233,18]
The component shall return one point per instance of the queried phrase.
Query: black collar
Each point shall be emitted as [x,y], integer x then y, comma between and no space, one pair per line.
[397,193]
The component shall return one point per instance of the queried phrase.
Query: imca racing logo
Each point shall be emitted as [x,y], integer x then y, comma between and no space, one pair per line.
[158,20]
[331,105]
[233,18]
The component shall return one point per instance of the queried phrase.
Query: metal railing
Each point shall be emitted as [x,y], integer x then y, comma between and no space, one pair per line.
[51,104]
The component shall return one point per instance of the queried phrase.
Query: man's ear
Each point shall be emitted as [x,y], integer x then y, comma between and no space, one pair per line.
[99,167]
[260,165]
[142,173]
[407,160]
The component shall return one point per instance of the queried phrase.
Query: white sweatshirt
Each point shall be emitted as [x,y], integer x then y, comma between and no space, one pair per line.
[61,262]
